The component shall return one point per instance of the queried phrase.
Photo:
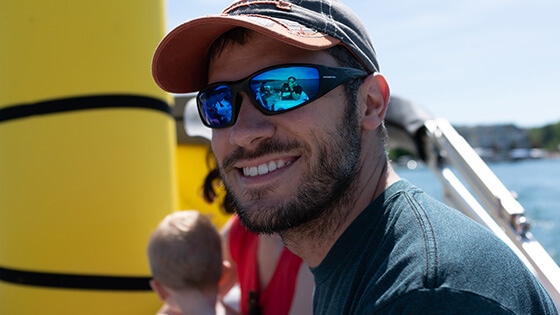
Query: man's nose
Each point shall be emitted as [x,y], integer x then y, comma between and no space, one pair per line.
[251,126]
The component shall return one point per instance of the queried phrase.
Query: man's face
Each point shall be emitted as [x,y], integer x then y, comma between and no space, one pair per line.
[288,169]
[291,82]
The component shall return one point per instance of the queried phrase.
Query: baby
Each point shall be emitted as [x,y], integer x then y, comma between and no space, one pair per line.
[186,262]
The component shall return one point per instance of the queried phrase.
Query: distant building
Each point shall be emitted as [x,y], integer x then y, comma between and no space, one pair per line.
[498,142]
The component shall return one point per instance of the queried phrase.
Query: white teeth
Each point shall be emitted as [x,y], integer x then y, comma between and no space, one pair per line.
[263,168]
[251,171]
[272,166]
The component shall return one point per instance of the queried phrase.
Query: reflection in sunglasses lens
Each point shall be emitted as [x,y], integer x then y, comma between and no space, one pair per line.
[217,105]
[281,89]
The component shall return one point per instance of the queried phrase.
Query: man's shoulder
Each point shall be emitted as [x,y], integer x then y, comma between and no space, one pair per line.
[408,242]
[447,250]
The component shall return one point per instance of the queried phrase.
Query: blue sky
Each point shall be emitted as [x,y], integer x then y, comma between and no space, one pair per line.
[472,62]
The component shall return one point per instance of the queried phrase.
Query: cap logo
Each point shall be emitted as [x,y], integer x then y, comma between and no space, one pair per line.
[280,4]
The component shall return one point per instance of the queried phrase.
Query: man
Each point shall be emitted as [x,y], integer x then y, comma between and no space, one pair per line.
[317,172]
[291,90]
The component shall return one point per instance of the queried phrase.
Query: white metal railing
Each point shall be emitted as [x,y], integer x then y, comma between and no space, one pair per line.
[490,203]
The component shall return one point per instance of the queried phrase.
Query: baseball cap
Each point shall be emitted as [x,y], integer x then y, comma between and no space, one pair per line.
[180,61]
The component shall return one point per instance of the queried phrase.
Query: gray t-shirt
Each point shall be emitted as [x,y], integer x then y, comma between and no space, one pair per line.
[408,253]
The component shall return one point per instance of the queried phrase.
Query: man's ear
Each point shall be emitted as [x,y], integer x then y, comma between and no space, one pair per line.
[159,289]
[374,94]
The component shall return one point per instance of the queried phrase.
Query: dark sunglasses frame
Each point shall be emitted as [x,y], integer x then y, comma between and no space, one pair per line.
[329,78]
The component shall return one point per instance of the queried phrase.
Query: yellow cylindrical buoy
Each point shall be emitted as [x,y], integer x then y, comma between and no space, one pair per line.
[87,153]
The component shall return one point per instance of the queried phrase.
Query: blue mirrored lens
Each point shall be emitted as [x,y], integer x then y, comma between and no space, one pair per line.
[216,106]
[281,89]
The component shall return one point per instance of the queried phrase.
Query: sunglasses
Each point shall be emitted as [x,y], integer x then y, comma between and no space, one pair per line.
[273,90]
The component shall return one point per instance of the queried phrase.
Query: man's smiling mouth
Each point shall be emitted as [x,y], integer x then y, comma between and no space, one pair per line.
[264,168]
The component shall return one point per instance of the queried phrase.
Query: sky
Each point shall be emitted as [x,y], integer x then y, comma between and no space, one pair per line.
[473,62]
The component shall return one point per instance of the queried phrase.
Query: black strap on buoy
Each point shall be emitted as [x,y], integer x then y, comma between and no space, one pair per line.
[74,281]
[82,103]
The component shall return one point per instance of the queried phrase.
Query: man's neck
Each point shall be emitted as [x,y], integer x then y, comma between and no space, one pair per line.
[313,240]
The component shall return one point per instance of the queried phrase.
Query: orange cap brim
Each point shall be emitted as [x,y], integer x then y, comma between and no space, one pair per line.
[180,61]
